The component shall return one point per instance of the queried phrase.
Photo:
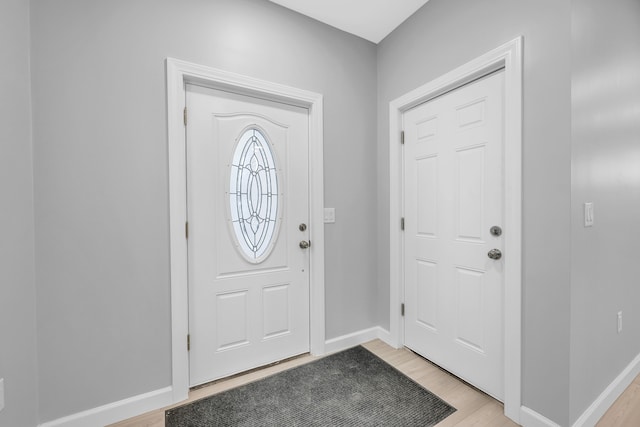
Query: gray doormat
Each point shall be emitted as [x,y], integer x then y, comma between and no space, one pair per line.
[350,388]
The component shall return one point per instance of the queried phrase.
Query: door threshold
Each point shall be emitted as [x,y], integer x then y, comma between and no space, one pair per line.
[447,372]
[250,371]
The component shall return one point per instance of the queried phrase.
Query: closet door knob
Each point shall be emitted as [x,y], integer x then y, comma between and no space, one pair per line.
[495,254]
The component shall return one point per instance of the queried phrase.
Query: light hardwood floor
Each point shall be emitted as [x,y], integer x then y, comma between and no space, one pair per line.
[474,408]
[625,412]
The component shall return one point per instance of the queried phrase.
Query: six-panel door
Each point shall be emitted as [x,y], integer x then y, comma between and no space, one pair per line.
[453,192]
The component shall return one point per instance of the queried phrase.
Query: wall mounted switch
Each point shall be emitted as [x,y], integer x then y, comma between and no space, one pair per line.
[329,215]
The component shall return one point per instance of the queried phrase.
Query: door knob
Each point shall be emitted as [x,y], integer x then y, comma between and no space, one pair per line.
[495,231]
[305,244]
[494,254]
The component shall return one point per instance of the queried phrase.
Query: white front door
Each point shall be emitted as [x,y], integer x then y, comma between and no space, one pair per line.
[247,209]
[453,193]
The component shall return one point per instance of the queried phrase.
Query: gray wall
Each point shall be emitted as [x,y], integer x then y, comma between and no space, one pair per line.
[606,171]
[101,175]
[443,35]
[101,193]
[17,288]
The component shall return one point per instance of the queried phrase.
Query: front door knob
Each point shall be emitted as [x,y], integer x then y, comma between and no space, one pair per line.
[304,244]
[495,254]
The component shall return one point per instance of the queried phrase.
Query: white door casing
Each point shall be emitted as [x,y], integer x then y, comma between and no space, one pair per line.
[247,193]
[453,192]
[508,57]
[179,74]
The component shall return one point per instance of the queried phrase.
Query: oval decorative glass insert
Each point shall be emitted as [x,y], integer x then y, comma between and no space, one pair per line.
[253,195]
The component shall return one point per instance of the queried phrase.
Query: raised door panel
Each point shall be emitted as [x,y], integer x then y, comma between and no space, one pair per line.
[453,194]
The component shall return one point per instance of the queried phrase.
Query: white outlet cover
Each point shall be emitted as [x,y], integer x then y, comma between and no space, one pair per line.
[1,394]
[588,214]
[619,322]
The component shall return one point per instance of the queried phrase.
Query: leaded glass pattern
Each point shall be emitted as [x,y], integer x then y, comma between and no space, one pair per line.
[253,195]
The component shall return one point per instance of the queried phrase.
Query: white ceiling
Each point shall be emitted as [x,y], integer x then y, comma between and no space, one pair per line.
[370,19]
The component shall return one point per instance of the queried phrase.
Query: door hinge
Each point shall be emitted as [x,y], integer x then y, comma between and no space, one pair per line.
[402,137]
[402,309]
[188,342]
[402,223]
[186,230]
[184,115]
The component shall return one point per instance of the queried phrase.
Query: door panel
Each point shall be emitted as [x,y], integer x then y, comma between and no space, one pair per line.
[247,192]
[427,195]
[453,192]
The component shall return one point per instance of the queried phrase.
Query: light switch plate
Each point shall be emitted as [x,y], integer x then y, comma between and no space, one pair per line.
[329,215]
[588,214]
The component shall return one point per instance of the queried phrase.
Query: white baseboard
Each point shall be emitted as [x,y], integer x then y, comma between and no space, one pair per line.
[117,411]
[591,416]
[134,406]
[385,336]
[600,406]
[356,338]
[530,418]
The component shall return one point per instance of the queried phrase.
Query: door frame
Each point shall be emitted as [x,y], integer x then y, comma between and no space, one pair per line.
[508,57]
[180,73]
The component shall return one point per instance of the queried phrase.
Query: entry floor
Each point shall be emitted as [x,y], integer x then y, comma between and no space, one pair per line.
[474,408]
